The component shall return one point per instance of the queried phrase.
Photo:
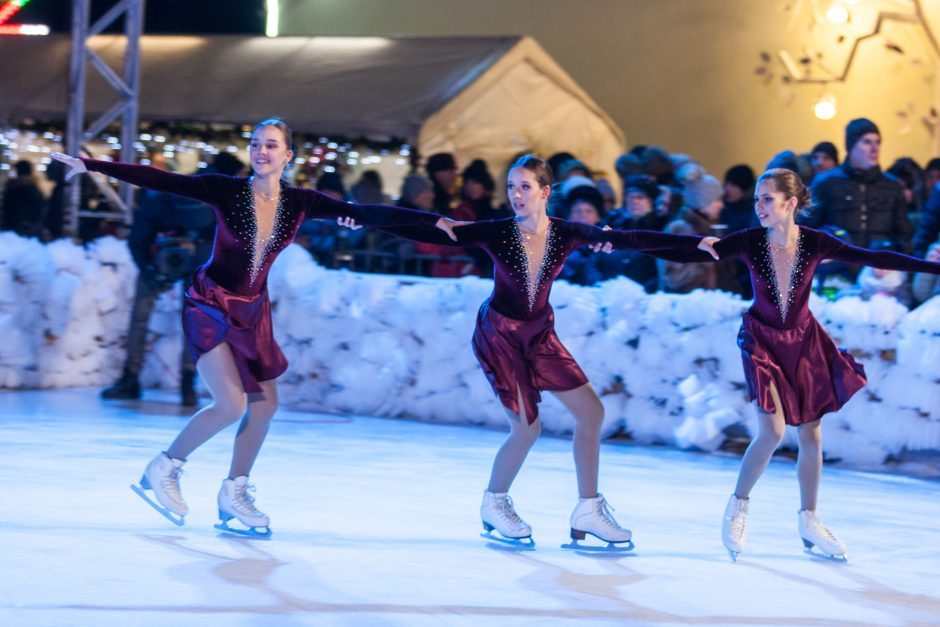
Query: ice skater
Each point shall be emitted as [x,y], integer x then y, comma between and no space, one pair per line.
[227,313]
[516,344]
[794,372]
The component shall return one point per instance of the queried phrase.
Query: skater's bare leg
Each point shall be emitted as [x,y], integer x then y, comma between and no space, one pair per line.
[770,432]
[809,463]
[229,401]
[253,429]
[512,453]
[588,413]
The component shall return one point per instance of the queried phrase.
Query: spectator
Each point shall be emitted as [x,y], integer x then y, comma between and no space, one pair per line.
[928,227]
[54,221]
[702,197]
[607,193]
[23,204]
[584,266]
[639,212]
[858,197]
[656,164]
[824,157]
[926,286]
[931,175]
[442,170]
[738,212]
[368,189]
[910,175]
[571,168]
[789,160]
[477,195]
[627,165]
[556,160]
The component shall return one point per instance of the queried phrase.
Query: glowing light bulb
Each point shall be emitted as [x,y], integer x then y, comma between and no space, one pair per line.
[837,14]
[825,108]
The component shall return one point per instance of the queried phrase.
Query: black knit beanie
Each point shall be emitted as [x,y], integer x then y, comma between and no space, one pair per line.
[856,129]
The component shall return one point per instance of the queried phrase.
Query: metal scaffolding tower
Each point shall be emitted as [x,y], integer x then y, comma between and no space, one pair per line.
[126,108]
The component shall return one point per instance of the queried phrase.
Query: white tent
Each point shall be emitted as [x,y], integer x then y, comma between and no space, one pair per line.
[475,97]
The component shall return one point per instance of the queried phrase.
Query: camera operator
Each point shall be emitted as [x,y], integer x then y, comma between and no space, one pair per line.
[170,238]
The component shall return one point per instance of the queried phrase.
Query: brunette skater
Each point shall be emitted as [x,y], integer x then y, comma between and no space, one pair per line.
[516,344]
[227,313]
[794,372]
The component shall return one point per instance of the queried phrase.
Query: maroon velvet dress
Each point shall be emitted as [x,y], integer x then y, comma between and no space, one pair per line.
[514,339]
[781,342]
[228,298]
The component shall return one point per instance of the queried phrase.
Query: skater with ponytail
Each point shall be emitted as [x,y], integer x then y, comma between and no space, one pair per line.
[794,372]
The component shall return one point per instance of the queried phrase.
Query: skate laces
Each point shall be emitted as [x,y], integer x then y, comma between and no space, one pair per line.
[506,510]
[605,510]
[171,483]
[244,500]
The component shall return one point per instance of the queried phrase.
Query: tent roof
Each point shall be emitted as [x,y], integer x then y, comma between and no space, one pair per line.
[356,86]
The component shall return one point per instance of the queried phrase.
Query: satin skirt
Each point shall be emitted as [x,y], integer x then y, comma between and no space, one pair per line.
[813,377]
[523,353]
[212,315]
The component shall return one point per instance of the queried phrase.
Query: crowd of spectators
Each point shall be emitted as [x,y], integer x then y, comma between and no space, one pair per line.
[853,198]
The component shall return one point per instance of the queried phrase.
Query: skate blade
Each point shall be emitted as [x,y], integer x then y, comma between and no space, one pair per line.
[610,547]
[813,551]
[250,532]
[733,555]
[174,518]
[524,544]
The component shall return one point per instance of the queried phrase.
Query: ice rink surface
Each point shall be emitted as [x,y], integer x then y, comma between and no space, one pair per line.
[376,522]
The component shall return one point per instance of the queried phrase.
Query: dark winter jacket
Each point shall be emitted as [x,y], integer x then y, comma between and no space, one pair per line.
[928,230]
[866,203]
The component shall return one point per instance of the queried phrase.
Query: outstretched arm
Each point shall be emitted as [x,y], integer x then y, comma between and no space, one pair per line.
[200,187]
[322,207]
[681,248]
[464,234]
[884,259]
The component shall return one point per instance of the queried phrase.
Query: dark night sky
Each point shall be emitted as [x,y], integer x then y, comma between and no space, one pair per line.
[162,16]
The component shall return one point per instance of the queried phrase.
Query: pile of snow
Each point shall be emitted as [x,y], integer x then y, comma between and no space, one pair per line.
[666,366]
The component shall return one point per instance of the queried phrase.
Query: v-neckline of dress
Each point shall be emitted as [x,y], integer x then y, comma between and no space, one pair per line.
[257,259]
[533,279]
[784,300]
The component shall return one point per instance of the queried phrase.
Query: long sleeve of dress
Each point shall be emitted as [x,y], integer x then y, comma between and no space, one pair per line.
[643,241]
[467,235]
[884,259]
[322,207]
[684,248]
[202,187]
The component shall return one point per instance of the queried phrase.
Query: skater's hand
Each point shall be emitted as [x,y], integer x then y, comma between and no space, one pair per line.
[447,225]
[603,247]
[934,255]
[76,166]
[708,245]
[349,223]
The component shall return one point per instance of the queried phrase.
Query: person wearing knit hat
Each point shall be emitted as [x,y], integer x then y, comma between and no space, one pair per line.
[859,198]
[824,157]
[738,212]
[657,165]
[442,170]
[702,194]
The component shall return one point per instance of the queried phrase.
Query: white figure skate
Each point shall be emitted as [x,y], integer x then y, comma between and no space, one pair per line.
[816,535]
[235,502]
[732,526]
[498,513]
[593,516]
[162,476]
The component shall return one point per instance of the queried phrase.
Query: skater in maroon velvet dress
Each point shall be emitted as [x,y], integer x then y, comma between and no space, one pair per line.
[227,312]
[516,344]
[794,372]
